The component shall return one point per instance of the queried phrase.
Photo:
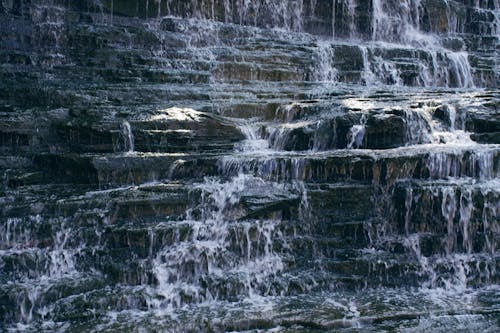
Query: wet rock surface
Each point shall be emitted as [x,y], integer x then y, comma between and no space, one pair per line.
[295,166]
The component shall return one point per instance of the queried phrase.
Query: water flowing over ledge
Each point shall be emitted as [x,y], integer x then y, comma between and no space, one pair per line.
[268,166]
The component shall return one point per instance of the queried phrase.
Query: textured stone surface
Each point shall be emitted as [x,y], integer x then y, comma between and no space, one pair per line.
[232,165]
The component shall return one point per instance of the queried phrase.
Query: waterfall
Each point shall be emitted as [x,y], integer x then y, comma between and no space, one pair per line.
[211,240]
[241,165]
[458,217]
[325,70]
[448,209]
[401,24]
[240,254]
[253,142]
[128,137]
[368,76]
[379,20]
[461,69]
[357,133]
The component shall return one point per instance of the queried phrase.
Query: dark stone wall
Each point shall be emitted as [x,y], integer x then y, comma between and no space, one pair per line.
[318,17]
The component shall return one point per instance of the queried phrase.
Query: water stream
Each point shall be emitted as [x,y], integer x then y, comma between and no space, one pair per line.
[249,166]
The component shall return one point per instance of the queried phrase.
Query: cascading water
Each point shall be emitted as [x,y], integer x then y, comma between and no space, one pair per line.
[326,71]
[305,165]
[128,137]
[219,250]
[357,134]
[368,76]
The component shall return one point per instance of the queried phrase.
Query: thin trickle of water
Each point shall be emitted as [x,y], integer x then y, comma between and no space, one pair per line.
[483,164]
[452,110]
[379,20]
[346,13]
[466,210]
[413,244]
[489,216]
[448,209]
[286,14]
[351,9]
[13,233]
[368,76]
[356,134]
[228,11]
[419,128]
[128,137]
[408,206]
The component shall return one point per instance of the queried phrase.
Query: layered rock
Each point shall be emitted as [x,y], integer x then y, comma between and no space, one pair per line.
[248,165]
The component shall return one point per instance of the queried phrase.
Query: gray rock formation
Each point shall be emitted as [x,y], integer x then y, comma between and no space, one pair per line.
[237,165]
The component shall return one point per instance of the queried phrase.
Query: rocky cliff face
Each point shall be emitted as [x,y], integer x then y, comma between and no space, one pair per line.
[233,165]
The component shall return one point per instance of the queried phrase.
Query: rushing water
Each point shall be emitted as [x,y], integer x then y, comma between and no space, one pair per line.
[250,166]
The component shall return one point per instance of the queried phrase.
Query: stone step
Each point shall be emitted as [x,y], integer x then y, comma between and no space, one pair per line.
[122,63]
[340,273]
[25,301]
[94,303]
[26,216]
[379,269]
[323,314]
[418,162]
[414,162]
[168,130]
